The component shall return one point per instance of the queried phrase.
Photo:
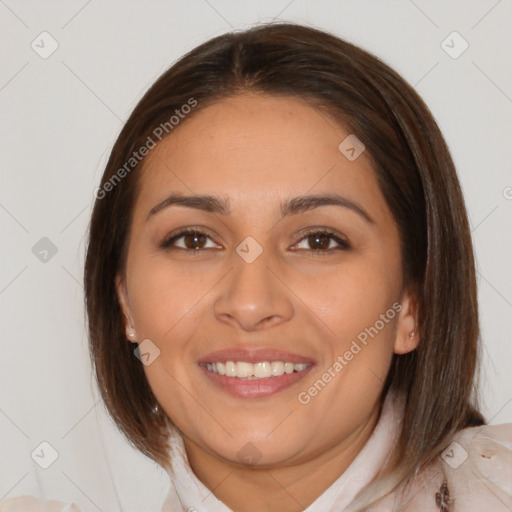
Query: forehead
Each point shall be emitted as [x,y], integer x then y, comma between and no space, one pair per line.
[257,149]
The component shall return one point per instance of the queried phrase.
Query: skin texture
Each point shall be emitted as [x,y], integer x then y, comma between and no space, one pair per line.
[257,151]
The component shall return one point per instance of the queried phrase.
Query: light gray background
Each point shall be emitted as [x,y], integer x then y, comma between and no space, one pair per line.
[60,117]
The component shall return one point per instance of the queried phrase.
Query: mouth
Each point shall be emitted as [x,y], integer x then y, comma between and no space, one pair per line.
[254,373]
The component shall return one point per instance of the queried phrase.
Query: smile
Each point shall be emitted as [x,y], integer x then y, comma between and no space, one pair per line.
[252,371]
[254,380]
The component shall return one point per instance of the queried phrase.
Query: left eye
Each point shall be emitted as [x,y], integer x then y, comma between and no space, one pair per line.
[321,241]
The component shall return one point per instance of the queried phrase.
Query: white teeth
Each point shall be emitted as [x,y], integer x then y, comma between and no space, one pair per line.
[230,369]
[277,368]
[260,370]
[244,369]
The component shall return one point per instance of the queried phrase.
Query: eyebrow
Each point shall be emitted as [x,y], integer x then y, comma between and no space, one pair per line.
[293,206]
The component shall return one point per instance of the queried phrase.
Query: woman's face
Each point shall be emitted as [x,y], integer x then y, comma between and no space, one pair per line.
[269,287]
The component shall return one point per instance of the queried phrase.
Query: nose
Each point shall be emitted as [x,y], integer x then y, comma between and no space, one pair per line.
[252,296]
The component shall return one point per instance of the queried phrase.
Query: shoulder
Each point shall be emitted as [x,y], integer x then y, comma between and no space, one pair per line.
[27,503]
[478,464]
[473,473]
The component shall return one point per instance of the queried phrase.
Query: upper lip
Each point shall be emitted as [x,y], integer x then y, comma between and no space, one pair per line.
[253,355]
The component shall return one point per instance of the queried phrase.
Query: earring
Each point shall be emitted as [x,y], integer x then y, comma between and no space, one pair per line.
[411,334]
[130,332]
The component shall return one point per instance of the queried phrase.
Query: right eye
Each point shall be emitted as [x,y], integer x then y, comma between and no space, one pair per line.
[193,240]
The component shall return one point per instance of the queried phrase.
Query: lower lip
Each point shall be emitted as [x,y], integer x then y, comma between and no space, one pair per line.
[255,388]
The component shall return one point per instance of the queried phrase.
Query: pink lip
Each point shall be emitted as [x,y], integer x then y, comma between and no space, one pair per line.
[253,355]
[256,388]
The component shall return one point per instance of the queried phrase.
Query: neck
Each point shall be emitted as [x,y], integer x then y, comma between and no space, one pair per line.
[290,488]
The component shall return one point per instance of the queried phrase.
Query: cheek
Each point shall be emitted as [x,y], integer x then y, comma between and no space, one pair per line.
[163,297]
[168,310]
[355,304]
[351,298]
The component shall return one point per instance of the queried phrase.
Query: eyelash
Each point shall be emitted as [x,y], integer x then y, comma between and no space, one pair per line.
[343,245]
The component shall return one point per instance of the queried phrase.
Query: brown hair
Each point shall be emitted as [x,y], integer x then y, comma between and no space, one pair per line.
[416,175]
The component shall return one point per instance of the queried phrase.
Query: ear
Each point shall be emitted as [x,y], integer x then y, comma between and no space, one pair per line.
[122,296]
[407,335]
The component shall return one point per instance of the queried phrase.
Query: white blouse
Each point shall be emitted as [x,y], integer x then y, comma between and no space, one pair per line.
[473,474]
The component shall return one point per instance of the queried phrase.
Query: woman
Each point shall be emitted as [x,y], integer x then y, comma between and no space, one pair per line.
[281,291]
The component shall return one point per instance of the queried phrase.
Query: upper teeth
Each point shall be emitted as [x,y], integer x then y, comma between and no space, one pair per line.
[260,370]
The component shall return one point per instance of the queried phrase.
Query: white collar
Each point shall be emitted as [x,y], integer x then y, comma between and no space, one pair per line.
[187,492]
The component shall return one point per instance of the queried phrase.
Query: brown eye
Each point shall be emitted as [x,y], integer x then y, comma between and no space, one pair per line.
[323,241]
[193,240]
[320,241]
